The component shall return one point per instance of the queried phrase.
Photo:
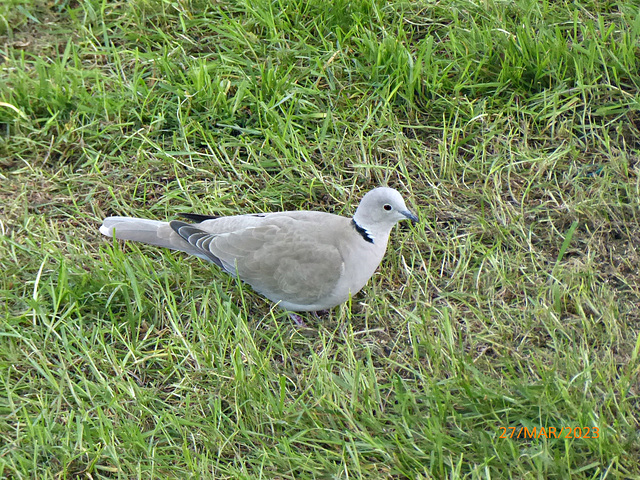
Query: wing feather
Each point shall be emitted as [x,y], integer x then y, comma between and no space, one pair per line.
[280,257]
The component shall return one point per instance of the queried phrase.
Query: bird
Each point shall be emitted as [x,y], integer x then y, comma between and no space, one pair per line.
[304,261]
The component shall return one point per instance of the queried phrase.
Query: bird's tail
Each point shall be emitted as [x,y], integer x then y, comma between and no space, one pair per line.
[152,232]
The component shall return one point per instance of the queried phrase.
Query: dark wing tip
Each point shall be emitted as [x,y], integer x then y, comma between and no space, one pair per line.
[187,232]
[176,225]
[196,217]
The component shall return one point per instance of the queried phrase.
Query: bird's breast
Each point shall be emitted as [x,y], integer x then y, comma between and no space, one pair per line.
[361,259]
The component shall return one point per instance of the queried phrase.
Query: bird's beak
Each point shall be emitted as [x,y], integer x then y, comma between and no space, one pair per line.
[410,216]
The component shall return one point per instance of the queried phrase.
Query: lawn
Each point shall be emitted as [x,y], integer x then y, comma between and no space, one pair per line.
[500,337]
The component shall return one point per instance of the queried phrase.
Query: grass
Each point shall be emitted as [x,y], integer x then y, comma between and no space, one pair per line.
[513,128]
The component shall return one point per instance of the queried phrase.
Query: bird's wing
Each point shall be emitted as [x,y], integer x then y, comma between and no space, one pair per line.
[283,258]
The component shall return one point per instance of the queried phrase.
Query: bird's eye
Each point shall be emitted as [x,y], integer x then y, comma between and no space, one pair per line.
[387,207]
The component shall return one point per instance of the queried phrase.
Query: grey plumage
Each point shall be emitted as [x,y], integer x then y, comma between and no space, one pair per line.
[302,260]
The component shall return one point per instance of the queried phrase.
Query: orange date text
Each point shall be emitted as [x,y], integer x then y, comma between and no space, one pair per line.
[549,432]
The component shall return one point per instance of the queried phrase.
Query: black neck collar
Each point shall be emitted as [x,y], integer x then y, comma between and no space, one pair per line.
[362,231]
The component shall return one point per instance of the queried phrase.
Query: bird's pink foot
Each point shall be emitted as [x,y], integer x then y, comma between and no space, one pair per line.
[297,320]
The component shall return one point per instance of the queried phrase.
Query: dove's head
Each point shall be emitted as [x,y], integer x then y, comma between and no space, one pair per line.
[380,209]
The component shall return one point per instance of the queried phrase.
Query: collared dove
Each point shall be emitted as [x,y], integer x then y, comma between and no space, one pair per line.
[303,260]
